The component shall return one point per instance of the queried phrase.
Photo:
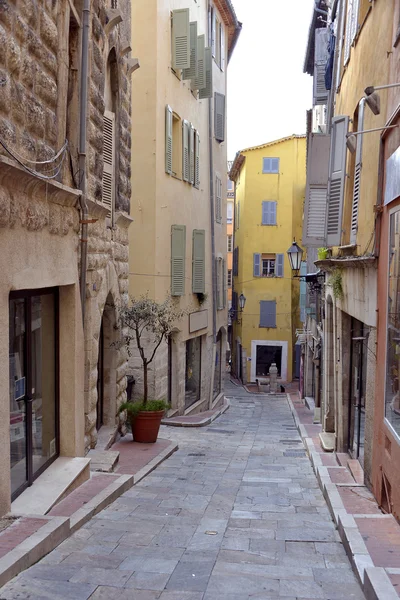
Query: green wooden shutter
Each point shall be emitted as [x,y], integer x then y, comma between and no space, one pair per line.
[185,151]
[218,199]
[191,73]
[180,39]
[108,161]
[207,91]
[219,116]
[168,140]
[223,283]
[199,82]
[178,255]
[192,160]
[198,262]
[197,160]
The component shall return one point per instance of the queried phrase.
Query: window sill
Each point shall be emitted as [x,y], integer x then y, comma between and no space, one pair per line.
[176,177]
[269,224]
[267,327]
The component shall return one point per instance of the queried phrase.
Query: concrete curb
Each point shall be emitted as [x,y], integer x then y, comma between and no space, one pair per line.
[377,585]
[374,581]
[34,547]
[203,423]
[153,464]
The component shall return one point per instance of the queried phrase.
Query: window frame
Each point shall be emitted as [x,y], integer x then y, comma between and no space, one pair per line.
[229,244]
[270,268]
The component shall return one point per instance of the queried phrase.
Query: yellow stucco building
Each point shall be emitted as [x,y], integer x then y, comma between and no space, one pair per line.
[269,195]
[178,237]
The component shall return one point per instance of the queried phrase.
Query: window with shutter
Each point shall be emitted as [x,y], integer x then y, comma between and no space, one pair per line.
[314,224]
[230,242]
[198,262]
[214,31]
[270,165]
[349,27]
[178,256]
[191,73]
[223,283]
[268,313]
[222,40]
[192,154]
[185,151]
[219,116]
[229,278]
[268,216]
[206,92]
[337,174]
[108,161]
[280,261]
[180,39]
[168,140]
[197,160]
[199,81]
[236,262]
[320,58]
[218,199]
[257,264]
[357,175]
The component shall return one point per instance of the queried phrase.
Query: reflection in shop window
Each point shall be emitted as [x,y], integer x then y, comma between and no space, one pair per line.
[193,371]
[392,392]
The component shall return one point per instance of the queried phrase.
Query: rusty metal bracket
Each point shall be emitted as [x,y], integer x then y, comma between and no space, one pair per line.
[378,209]
[87,221]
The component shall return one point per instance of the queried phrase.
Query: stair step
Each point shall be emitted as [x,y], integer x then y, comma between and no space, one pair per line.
[356,470]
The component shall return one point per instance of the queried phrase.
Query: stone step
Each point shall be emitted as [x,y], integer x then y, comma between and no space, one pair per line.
[103,460]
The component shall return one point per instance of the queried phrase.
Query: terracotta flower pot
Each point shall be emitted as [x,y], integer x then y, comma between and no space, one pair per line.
[146,425]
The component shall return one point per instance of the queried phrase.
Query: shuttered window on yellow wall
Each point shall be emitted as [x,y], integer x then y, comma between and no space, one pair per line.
[178,257]
[108,161]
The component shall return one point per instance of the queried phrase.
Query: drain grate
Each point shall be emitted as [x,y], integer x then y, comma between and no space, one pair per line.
[295,453]
[196,454]
[219,430]
[290,441]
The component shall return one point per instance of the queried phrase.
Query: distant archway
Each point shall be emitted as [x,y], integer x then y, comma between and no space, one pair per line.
[107,367]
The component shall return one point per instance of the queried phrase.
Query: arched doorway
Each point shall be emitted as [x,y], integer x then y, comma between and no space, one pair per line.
[107,367]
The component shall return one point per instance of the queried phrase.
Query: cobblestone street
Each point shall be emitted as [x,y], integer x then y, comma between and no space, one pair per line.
[235,514]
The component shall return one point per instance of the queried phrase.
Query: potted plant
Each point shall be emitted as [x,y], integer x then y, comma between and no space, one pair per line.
[323,253]
[147,324]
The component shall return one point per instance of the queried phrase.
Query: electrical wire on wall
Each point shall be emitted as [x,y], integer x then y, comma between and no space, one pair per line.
[53,168]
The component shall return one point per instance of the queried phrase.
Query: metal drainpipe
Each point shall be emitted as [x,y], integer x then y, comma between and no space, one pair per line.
[82,149]
[213,267]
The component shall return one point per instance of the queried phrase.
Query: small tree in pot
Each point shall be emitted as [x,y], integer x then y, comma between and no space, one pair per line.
[147,324]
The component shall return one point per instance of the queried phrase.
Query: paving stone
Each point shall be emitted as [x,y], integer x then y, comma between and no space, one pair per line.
[112,593]
[43,590]
[110,577]
[191,576]
[302,589]
[148,581]
[49,572]
[105,561]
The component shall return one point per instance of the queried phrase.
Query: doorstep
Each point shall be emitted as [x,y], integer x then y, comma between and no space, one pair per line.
[48,489]
[199,419]
[32,536]
[371,538]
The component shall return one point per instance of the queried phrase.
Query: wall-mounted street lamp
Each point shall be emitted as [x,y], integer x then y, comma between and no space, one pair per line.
[372,99]
[351,138]
[242,304]
[295,254]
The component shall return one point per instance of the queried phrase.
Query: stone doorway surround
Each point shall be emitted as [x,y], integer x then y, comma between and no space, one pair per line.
[283,345]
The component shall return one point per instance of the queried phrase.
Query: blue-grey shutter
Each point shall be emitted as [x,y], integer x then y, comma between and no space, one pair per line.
[257,264]
[357,174]
[268,213]
[219,116]
[268,313]
[274,165]
[191,73]
[265,213]
[337,178]
[180,39]
[273,213]
[279,265]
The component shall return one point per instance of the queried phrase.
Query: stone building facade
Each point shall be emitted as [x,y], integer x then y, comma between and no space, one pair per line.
[60,380]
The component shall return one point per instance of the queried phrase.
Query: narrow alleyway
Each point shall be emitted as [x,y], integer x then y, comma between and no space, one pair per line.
[235,514]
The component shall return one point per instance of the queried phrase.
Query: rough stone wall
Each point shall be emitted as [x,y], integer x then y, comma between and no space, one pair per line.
[28,77]
[370,348]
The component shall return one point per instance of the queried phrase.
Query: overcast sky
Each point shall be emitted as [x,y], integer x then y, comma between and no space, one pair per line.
[268,93]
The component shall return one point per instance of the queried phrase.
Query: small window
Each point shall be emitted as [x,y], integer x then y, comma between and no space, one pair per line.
[230,243]
[176,146]
[229,213]
[229,185]
[268,267]
[229,278]
[221,289]
[270,165]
